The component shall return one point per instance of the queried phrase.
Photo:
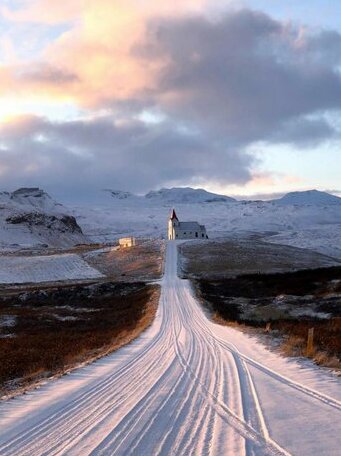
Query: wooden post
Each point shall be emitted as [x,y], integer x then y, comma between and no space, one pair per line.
[310,342]
[268,327]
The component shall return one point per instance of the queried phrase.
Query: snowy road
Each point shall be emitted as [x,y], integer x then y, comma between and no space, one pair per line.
[186,387]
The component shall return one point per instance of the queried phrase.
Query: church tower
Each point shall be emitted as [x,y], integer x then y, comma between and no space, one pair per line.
[172,223]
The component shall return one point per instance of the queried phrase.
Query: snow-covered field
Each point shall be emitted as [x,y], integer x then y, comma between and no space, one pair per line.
[49,268]
[186,387]
[303,219]
[314,226]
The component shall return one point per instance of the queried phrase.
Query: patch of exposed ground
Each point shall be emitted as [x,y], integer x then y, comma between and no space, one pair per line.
[78,249]
[46,332]
[228,258]
[141,262]
[290,302]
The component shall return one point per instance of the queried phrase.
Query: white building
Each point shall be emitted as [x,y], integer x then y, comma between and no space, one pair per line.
[185,230]
[127,242]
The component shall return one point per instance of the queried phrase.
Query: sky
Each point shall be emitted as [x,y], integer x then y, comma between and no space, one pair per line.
[237,97]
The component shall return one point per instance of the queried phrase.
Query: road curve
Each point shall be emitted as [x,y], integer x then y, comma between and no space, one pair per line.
[185,387]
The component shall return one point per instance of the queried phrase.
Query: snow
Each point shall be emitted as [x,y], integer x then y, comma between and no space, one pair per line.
[313,197]
[7,321]
[186,386]
[309,219]
[29,198]
[119,194]
[64,318]
[186,195]
[44,221]
[49,268]
[316,227]
[322,238]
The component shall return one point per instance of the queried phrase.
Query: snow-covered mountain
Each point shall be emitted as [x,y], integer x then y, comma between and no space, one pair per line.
[175,195]
[186,195]
[30,198]
[313,197]
[29,216]
[119,194]
[302,219]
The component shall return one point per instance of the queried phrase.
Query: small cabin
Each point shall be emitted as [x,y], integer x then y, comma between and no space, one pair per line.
[185,230]
[126,242]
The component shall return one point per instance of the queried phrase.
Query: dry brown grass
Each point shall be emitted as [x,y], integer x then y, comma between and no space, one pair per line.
[141,262]
[251,301]
[327,339]
[45,345]
[219,259]
[327,360]
[294,346]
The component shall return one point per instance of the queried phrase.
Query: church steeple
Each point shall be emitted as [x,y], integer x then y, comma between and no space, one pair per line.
[173,216]
[173,222]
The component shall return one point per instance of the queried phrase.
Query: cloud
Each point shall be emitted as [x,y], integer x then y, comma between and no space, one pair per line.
[45,12]
[42,11]
[98,153]
[246,76]
[243,74]
[220,84]
[304,132]
[39,80]
[42,73]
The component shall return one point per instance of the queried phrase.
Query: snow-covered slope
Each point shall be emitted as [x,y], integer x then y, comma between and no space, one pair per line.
[186,195]
[119,194]
[317,227]
[48,268]
[314,197]
[29,216]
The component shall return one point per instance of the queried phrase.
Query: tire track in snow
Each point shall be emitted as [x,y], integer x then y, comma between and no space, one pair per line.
[283,379]
[249,402]
[180,389]
[86,402]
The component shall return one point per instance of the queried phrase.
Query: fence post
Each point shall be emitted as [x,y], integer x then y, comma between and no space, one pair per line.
[310,342]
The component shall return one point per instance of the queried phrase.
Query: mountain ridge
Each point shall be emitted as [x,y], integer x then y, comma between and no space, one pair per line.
[29,216]
[313,197]
[187,195]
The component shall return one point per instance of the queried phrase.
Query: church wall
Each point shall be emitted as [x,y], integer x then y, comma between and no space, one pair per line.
[175,231]
[180,234]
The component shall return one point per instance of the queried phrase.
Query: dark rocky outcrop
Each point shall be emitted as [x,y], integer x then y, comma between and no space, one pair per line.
[63,223]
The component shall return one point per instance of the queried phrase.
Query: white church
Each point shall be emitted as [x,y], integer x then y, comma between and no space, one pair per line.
[185,230]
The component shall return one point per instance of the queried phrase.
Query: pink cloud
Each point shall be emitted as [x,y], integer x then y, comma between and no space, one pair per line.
[43,11]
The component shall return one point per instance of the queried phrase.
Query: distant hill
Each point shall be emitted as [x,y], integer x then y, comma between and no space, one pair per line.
[187,195]
[119,194]
[311,197]
[29,216]
[30,198]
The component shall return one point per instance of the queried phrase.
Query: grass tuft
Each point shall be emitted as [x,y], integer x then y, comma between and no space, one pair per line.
[57,329]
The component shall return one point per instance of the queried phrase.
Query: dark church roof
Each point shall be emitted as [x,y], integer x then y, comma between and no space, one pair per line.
[173,216]
[194,226]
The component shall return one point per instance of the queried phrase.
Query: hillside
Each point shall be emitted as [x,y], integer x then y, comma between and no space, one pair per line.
[187,195]
[313,197]
[118,194]
[30,217]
